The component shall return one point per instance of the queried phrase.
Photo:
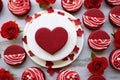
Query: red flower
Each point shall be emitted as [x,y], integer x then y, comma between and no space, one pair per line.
[92,3]
[10,30]
[96,77]
[98,65]
[5,75]
[117,38]
[45,2]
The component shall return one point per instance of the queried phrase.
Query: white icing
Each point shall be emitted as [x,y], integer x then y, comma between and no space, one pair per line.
[51,21]
[115,19]
[76,4]
[14,59]
[114,2]
[99,44]
[34,73]
[93,21]
[115,56]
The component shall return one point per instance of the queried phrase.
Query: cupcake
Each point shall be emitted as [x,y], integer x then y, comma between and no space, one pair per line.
[19,7]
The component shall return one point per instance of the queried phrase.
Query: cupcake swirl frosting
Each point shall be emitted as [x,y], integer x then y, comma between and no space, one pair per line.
[68,75]
[115,18]
[99,43]
[93,21]
[33,73]
[71,5]
[114,2]
[19,7]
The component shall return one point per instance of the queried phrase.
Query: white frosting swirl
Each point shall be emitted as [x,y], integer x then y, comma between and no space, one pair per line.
[33,74]
[115,19]
[115,59]
[99,44]
[14,58]
[93,21]
[114,2]
[71,5]
[19,7]
[68,75]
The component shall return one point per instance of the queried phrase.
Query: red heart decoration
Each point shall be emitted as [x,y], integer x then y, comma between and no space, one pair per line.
[51,41]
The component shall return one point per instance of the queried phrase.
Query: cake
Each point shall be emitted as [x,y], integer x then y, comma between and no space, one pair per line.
[114,16]
[113,2]
[115,59]
[71,5]
[55,44]
[96,77]
[93,19]
[19,7]
[1,5]
[99,40]
[68,74]
[33,73]
[14,55]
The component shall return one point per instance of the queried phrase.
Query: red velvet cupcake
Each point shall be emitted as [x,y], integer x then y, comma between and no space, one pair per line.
[68,75]
[19,7]
[33,73]
[1,5]
[113,2]
[114,16]
[14,55]
[93,19]
[115,59]
[98,40]
[71,5]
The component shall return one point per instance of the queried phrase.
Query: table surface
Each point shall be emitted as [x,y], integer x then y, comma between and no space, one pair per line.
[80,65]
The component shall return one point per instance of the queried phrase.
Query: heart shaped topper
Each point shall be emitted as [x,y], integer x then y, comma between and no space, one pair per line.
[51,41]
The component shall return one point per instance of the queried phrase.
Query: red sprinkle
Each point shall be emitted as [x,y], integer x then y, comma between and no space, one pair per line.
[49,64]
[70,19]
[61,13]
[31,53]
[28,18]
[65,59]
[50,10]
[71,57]
[37,15]
[80,32]
[24,39]
[76,49]
[77,22]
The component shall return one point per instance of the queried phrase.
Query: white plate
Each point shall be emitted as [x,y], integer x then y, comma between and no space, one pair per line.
[42,56]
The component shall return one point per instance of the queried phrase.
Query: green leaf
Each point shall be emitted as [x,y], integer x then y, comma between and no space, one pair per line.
[20,31]
[42,6]
[93,55]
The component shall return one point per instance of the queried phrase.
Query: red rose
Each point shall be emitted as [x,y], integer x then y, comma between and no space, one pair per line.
[98,65]
[96,77]
[45,2]
[5,75]
[116,36]
[10,30]
[92,3]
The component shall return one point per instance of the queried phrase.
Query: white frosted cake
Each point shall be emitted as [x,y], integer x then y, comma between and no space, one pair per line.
[53,36]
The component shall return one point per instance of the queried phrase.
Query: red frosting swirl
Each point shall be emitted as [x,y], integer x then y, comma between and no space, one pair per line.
[68,75]
[19,7]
